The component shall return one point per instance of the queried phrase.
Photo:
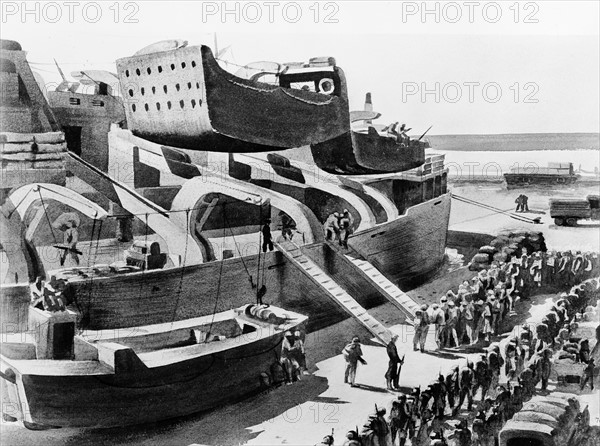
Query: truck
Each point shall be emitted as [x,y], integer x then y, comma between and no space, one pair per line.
[568,211]
[553,420]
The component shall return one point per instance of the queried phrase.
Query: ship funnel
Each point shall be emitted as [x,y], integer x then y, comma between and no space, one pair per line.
[368,103]
[368,107]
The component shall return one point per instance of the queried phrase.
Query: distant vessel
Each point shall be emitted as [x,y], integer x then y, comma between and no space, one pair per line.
[181,97]
[554,174]
[52,377]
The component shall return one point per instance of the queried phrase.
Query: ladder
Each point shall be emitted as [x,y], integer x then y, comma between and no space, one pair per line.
[391,292]
[293,253]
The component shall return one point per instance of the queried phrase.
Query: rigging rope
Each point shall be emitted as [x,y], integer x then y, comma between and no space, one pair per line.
[497,210]
[46,214]
[187,219]
[219,282]
[239,251]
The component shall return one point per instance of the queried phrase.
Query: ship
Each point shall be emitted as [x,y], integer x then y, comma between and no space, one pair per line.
[367,148]
[179,95]
[221,200]
[54,370]
[52,377]
[556,174]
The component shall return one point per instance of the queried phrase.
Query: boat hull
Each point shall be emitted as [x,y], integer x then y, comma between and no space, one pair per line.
[410,248]
[147,396]
[358,153]
[520,180]
[183,98]
[407,250]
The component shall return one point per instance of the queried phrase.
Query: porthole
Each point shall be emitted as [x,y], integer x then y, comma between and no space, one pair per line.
[172,66]
[149,70]
[146,107]
[165,88]
[189,85]
[127,73]
[130,92]
[181,103]
[193,103]
[198,85]
[158,105]
[153,90]
[182,64]
[143,91]
[177,87]
[133,107]
[160,69]
[169,105]
[194,63]
[137,71]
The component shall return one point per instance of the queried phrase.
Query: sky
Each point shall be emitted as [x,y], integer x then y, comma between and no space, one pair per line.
[461,67]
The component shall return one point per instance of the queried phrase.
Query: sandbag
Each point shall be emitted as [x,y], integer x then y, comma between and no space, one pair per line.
[488,250]
[476,266]
[481,258]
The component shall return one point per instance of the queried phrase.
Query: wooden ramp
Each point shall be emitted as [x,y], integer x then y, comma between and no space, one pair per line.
[293,253]
[391,292]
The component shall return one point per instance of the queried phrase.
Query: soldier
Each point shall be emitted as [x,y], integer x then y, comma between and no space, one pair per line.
[516,401]
[503,399]
[421,328]
[452,386]
[495,363]
[267,236]
[394,365]
[588,375]
[439,319]
[438,392]
[479,437]
[399,420]
[462,434]
[352,439]
[465,383]
[526,381]
[332,227]
[481,377]
[493,424]
[353,355]
[545,367]
[327,441]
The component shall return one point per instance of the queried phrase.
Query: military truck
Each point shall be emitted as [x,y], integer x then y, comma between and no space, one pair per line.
[567,211]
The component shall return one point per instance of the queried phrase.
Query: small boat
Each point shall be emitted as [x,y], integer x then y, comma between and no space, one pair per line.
[52,377]
[180,96]
[369,149]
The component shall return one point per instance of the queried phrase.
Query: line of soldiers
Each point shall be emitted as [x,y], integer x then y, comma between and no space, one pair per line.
[479,307]
[526,361]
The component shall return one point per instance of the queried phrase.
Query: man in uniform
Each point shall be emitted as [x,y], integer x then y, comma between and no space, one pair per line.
[421,328]
[588,375]
[452,386]
[394,365]
[332,227]
[481,377]
[345,223]
[267,237]
[399,420]
[352,354]
[465,383]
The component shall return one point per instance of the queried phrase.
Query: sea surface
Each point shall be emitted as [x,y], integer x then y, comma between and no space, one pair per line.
[517,142]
